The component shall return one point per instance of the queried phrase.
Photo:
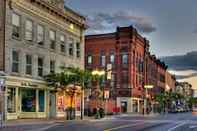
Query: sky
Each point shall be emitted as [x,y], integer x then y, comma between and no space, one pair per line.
[169,25]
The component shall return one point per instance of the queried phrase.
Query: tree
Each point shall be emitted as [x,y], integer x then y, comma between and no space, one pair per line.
[68,76]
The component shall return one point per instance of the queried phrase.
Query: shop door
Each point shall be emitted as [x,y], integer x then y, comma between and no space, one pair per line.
[52,106]
[124,107]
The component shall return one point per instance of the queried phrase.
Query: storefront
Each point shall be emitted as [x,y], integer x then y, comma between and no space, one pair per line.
[64,101]
[130,104]
[26,98]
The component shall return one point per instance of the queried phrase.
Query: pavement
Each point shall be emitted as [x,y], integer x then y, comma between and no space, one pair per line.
[126,122]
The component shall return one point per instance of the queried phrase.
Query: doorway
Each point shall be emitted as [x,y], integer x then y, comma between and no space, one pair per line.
[123,106]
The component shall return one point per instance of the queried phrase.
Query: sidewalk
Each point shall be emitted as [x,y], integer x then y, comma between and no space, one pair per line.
[20,122]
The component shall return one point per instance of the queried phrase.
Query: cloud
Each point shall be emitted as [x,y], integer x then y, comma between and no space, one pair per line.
[107,22]
[182,62]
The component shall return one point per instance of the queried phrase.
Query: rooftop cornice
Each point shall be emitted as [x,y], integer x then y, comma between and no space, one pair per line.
[61,13]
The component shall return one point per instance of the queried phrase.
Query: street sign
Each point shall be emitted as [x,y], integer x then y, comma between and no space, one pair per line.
[109,71]
[148,86]
[106,94]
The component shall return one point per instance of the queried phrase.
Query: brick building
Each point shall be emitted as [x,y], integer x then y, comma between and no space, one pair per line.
[133,66]
[36,38]
[125,50]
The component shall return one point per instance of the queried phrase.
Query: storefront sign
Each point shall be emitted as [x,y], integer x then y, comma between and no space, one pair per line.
[28,84]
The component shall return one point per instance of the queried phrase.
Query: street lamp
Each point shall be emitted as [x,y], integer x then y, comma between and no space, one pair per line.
[99,73]
[145,99]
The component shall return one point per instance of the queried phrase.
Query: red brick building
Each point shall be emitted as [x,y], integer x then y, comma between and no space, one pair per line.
[133,66]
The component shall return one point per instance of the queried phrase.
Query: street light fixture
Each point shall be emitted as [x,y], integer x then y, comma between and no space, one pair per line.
[145,99]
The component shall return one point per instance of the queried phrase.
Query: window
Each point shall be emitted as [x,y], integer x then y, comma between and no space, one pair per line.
[40,67]
[162,78]
[62,46]
[28,64]
[71,49]
[124,59]
[52,66]
[40,35]
[112,58]
[29,30]
[52,36]
[11,100]
[125,80]
[41,100]
[28,100]
[89,59]
[102,59]
[15,25]
[78,52]
[15,61]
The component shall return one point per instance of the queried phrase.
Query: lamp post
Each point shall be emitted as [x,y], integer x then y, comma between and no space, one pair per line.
[98,73]
[145,99]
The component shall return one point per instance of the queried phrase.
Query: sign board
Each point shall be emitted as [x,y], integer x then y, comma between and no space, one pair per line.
[109,67]
[106,94]
[148,86]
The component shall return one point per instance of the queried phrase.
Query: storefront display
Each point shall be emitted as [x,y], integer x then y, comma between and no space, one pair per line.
[41,99]
[28,97]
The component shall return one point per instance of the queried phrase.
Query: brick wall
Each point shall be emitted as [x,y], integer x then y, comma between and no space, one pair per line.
[2,11]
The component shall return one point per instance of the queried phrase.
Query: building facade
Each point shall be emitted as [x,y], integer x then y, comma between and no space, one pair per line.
[132,66]
[37,38]
[126,51]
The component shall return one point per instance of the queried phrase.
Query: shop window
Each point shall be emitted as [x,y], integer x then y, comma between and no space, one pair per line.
[60,103]
[11,100]
[28,100]
[41,100]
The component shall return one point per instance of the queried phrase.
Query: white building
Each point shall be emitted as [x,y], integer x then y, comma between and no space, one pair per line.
[36,38]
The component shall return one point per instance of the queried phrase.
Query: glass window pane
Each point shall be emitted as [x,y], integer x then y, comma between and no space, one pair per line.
[40,67]
[15,61]
[28,64]
[41,101]
[11,100]
[52,35]
[40,34]
[15,19]
[62,38]
[29,30]
[28,100]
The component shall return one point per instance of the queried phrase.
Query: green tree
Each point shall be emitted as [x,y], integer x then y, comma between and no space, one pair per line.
[70,75]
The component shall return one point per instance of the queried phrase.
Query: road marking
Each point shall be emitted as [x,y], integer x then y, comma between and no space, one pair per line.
[46,128]
[123,126]
[175,127]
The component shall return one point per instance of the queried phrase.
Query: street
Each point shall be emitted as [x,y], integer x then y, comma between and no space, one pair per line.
[167,122]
